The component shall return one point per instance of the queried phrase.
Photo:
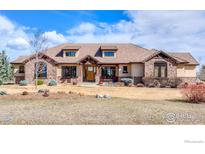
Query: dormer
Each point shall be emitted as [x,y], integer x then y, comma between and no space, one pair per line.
[108,51]
[70,51]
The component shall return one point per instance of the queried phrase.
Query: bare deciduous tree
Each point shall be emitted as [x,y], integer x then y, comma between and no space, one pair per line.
[38,44]
[202,73]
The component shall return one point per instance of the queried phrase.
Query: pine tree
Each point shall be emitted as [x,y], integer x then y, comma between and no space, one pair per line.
[6,70]
[202,73]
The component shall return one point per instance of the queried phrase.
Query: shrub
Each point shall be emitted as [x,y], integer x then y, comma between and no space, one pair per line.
[40,82]
[52,83]
[183,85]
[140,85]
[151,85]
[46,94]
[23,83]
[174,82]
[194,93]
[162,82]
[127,81]
[1,82]
[24,93]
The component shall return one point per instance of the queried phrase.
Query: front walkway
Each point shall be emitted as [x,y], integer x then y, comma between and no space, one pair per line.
[88,84]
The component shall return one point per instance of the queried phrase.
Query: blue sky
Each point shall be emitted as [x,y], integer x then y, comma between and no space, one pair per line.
[164,30]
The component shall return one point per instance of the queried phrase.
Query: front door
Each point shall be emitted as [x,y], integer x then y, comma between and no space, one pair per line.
[90,73]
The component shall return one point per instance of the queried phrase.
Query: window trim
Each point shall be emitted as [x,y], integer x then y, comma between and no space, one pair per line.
[125,71]
[107,56]
[65,76]
[160,64]
[113,68]
[21,69]
[71,51]
[41,77]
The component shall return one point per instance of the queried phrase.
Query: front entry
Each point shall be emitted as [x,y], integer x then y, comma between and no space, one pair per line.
[90,71]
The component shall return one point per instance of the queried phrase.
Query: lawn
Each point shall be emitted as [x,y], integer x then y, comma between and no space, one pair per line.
[147,106]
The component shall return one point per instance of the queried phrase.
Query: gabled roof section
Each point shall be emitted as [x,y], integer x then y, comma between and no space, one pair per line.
[20,60]
[108,47]
[126,53]
[88,58]
[184,57]
[71,48]
[158,52]
[25,59]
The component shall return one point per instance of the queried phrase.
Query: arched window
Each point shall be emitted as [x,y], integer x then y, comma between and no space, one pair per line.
[41,69]
[160,69]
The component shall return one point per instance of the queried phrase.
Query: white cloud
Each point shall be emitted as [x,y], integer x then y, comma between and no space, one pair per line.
[83,28]
[13,38]
[166,30]
[54,38]
[18,44]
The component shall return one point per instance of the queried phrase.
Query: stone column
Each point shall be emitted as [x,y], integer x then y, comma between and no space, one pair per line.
[97,76]
[80,73]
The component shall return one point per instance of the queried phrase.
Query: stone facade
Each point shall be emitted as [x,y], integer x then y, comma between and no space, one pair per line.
[171,67]
[147,71]
[188,79]
[30,70]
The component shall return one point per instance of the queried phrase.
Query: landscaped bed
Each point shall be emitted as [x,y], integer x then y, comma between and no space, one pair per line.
[122,92]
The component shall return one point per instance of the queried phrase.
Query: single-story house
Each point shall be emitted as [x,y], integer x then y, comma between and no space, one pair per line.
[102,62]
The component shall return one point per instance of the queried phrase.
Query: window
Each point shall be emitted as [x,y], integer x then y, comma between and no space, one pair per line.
[109,54]
[125,69]
[160,69]
[108,72]
[70,53]
[69,72]
[41,69]
[21,69]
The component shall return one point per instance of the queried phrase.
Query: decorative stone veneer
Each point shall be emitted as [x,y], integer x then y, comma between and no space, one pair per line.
[30,70]
[188,79]
[171,67]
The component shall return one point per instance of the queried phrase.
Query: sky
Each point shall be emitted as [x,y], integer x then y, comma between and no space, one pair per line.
[173,31]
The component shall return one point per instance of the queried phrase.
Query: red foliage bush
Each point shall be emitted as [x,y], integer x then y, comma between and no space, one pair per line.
[194,93]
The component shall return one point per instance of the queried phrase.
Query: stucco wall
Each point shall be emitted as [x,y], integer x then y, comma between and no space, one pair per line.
[137,70]
[121,74]
[16,70]
[186,71]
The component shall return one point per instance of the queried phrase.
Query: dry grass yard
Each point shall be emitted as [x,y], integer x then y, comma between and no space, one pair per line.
[122,92]
[144,106]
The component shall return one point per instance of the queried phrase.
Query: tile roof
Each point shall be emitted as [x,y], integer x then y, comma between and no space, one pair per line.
[126,53]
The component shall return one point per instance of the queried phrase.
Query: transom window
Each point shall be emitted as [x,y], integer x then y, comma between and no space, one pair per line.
[21,69]
[109,53]
[69,72]
[160,69]
[108,72]
[125,69]
[41,69]
[70,53]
